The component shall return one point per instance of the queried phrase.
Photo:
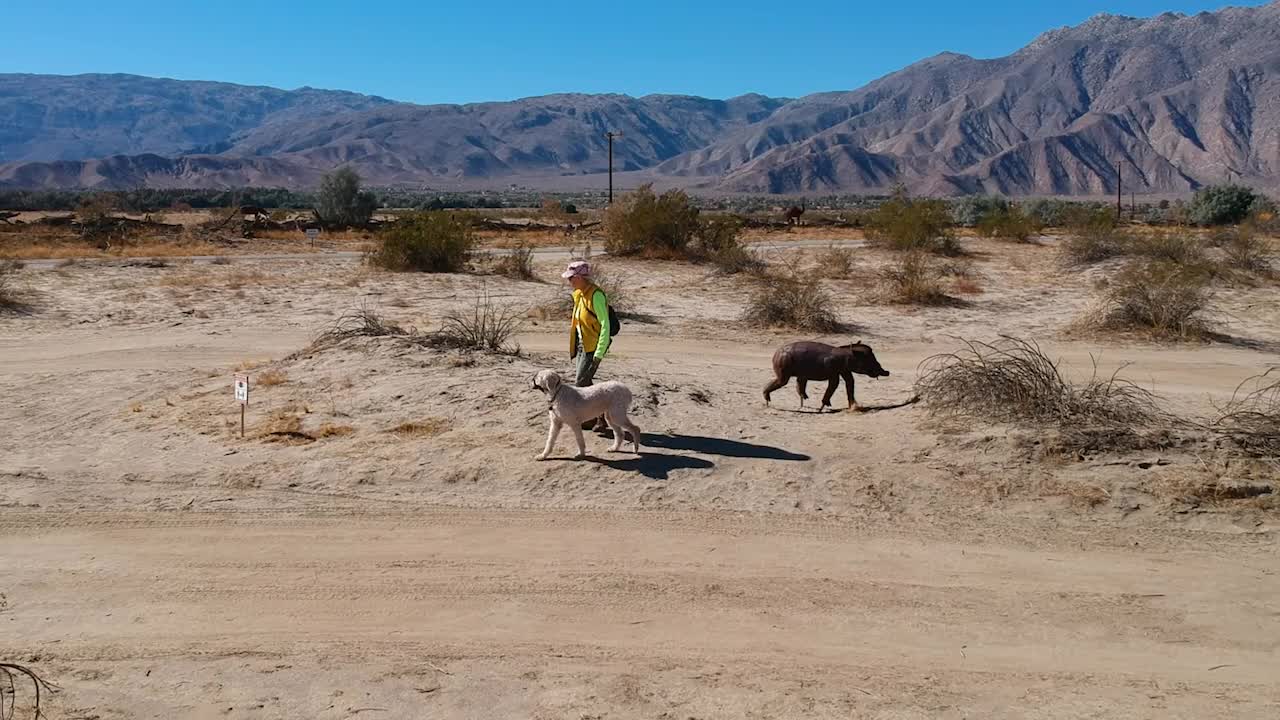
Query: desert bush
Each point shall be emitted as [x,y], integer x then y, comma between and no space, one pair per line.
[1246,252]
[905,224]
[835,262]
[1160,298]
[340,201]
[914,279]
[552,209]
[487,327]
[433,241]
[1094,237]
[1251,419]
[11,295]
[359,323]
[1048,212]
[1010,223]
[1221,205]
[1170,248]
[971,210]
[1012,380]
[792,304]
[642,223]
[517,263]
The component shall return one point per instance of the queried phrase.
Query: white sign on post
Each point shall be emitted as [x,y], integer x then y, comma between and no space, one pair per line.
[242,396]
[312,234]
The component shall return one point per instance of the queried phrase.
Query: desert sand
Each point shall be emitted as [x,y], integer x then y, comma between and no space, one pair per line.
[382,542]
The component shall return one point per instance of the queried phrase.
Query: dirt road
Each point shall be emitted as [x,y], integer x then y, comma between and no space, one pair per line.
[436,613]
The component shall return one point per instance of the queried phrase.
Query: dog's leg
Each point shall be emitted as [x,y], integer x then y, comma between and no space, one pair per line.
[635,433]
[552,433]
[582,442]
[831,390]
[617,427]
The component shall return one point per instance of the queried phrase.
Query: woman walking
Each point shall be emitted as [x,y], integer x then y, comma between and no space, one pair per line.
[590,332]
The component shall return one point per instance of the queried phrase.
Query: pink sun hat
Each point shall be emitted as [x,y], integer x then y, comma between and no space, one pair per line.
[577,268]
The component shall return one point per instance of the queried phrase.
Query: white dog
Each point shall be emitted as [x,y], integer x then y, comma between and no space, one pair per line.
[571,405]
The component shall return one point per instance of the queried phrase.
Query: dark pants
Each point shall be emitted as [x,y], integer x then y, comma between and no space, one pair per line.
[585,371]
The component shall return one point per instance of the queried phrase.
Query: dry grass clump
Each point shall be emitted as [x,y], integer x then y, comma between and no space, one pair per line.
[1161,299]
[486,327]
[283,426]
[517,263]
[792,304]
[329,430]
[1012,380]
[1245,252]
[914,279]
[421,428]
[361,323]
[1251,419]
[271,378]
[11,296]
[835,262]
[1095,244]
[1170,248]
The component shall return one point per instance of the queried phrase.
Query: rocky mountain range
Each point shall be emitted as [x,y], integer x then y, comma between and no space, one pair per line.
[1170,103]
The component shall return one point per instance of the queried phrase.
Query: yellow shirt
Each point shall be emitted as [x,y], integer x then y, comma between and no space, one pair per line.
[592,331]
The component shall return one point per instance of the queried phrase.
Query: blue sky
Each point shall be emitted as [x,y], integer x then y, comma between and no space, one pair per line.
[499,50]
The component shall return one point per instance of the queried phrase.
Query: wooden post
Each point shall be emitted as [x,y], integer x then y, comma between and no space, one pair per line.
[242,422]
[1119,193]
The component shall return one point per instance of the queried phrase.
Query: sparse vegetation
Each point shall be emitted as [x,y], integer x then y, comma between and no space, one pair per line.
[341,203]
[650,225]
[1162,299]
[1174,248]
[1011,223]
[1251,419]
[915,278]
[835,262]
[1248,253]
[485,327]
[792,304]
[517,263]
[421,428]
[1012,380]
[11,296]
[907,224]
[973,210]
[361,323]
[1094,242]
[271,378]
[433,241]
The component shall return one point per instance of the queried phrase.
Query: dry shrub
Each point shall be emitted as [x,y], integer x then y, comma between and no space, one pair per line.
[910,224]
[1251,419]
[425,242]
[421,428]
[517,263]
[658,226]
[271,378]
[835,262]
[328,430]
[914,279]
[792,304]
[10,674]
[1170,248]
[1089,245]
[1245,252]
[486,327]
[361,323]
[1012,380]
[1011,223]
[1162,299]
[966,286]
[283,426]
[11,296]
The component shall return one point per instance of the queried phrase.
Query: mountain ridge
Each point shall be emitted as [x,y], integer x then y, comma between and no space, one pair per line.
[1175,101]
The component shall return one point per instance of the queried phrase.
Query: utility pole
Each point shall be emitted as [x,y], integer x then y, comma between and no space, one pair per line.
[1119,193]
[611,135]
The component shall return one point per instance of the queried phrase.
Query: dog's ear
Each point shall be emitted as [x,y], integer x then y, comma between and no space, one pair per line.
[553,382]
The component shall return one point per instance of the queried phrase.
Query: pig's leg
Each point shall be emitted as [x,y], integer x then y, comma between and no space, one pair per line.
[777,383]
[802,385]
[831,390]
[848,386]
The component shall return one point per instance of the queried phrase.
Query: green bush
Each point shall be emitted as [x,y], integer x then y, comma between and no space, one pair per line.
[972,210]
[432,241]
[906,224]
[340,202]
[1222,205]
[1012,223]
[659,226]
